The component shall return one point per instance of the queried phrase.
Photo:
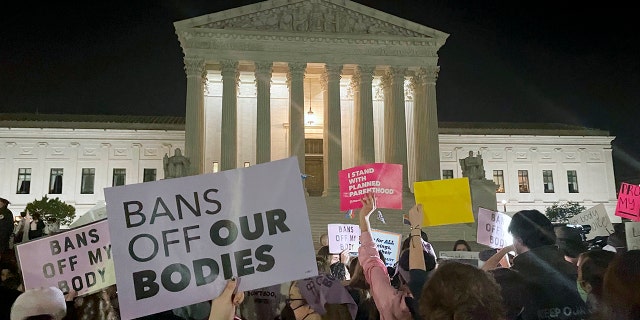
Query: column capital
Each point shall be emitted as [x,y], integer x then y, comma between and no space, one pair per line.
[430,73]
[365,72]
[397,72]
[295,69]
[263,71]
[194,67]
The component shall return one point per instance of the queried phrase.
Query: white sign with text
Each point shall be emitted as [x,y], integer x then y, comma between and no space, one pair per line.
[177,241]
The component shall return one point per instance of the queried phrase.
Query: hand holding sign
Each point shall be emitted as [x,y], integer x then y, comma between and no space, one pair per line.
[224,306]
[415,216]
[368,206]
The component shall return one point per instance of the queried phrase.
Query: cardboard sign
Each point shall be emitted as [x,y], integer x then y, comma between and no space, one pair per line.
[262,304]
[632,230]
[468,257]
[389,244]
[493,229]
[343,237]
[177,241]
[628,205]
[597,218]
[382,179]
[79,259]
[444,201]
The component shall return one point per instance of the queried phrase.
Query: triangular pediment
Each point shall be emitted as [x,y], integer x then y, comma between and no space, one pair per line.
[315,16]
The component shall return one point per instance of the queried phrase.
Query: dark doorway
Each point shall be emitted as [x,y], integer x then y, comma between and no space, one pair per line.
[314,167]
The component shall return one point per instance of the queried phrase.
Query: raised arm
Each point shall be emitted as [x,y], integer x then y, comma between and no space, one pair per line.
[495,259]
[416,257]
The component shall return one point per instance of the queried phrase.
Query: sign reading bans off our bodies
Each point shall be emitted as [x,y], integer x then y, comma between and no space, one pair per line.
[79,259]
[177,241]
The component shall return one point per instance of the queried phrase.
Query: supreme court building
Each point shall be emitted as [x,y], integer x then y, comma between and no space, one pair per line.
[333,82]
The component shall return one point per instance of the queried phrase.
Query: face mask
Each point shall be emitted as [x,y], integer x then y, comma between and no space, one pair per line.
[583,294]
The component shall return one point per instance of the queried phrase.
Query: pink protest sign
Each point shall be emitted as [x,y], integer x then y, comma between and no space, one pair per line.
[629,202]
[382,179]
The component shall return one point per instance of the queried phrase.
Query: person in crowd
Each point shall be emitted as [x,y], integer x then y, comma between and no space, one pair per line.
[36,226]
[461,291]
[493,258]
[549,278]
[389,300]
[617,241]
[569,241]
[338,263]
[513,292]
[324,240]
[591,268]
[101,305]
[461,245]
[44,303]
[320,297]
[21,231]
[620,294]
[359,290]
[6,227]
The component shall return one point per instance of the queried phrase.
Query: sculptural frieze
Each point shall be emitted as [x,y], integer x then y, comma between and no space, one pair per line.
[313,17]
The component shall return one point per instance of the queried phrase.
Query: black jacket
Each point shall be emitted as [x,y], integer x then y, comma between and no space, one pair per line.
[550,284]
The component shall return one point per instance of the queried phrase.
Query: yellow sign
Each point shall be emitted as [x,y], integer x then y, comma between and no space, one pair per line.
[444,201]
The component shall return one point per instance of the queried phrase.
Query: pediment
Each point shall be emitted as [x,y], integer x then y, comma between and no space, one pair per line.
[315,16]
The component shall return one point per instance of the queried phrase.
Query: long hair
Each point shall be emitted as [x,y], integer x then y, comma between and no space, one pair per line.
[460,291]
[620,294]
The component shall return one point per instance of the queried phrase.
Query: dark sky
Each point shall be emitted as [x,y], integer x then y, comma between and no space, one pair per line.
[519,61]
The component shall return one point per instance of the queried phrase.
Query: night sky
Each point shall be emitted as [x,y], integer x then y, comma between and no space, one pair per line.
[516,61]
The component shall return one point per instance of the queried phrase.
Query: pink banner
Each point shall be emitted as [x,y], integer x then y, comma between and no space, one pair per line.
[382,179]
[629,202]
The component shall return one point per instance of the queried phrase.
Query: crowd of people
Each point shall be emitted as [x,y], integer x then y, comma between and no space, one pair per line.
[534,278]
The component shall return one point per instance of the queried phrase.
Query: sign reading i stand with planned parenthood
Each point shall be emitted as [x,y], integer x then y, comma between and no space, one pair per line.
[382,179]
[176,242]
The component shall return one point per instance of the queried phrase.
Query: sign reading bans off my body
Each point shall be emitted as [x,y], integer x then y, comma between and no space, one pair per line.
[177,241]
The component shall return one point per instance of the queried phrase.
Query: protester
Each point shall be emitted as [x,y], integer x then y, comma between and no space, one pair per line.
[36,226]
[390,301]
[21,231]
[6,226]
[359,290]
[549,278]
[461,291]
[40,302]
[569,241]
[591,268]
[461,245]
[320,297]
[620,294]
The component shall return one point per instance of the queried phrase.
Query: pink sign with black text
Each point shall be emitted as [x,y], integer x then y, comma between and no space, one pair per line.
[382,179]
[628,205]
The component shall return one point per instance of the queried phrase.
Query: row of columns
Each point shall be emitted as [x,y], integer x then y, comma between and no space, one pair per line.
[425,119]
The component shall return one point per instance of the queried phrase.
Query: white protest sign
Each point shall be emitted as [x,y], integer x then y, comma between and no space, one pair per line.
[632,231]
[78,259]
[177,241]
[493,229]
[388,243]
[343,237]
[468,257]
[597,218]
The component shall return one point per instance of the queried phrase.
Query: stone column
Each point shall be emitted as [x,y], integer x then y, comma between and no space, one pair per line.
[363,143]
[395,126]
[332,133]
[295,81]
[425,124]
[194,115]
[263,111]
[229,126]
